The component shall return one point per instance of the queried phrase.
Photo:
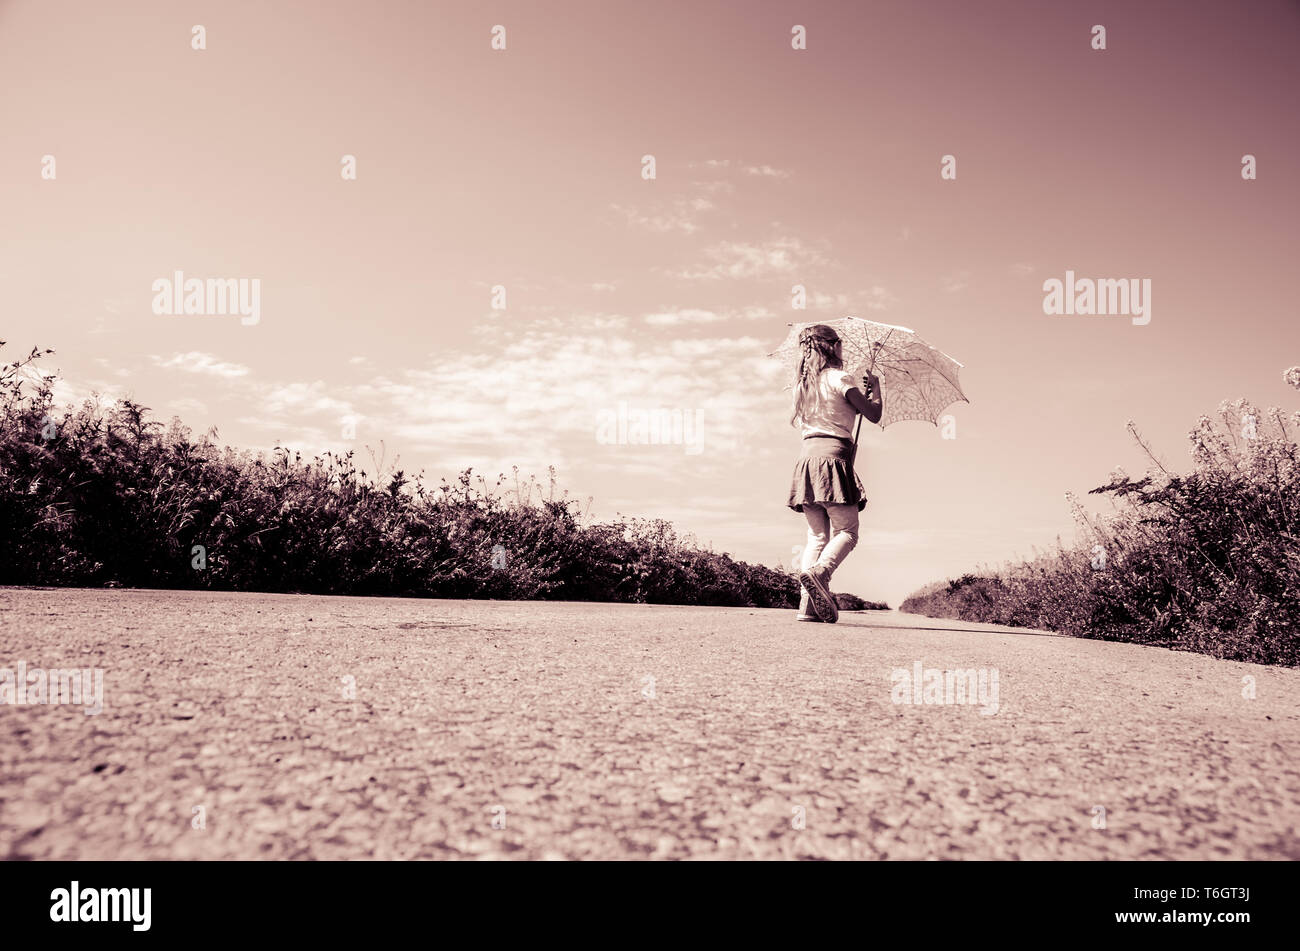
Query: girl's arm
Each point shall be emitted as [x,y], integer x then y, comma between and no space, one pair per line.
[869,406]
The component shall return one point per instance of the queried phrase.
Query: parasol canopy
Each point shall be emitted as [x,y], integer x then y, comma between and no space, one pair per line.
[918,381]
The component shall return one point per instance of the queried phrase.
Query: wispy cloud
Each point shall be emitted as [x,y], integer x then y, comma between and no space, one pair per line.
[195,361]
[878,298]
[875,298]
[766,171]
[680,215]
[720,186]
[758,170]
[954,282]
[690,315]
[302,398]
[741,259]
[684,316]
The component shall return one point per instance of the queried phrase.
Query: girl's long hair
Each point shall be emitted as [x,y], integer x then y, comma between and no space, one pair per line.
[816,353]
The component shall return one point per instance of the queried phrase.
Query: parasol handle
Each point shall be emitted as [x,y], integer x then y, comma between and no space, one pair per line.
[857,423]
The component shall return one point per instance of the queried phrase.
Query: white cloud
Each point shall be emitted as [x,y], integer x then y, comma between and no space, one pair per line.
[819,301]
[198,362]
[755,170]
[763,171]
[724,187]
[690,315]
[739,259]
[73,393]
[878,299]
[302,398]
[567,322]
[536,400]
[684,316]
[952,283]
[679,215]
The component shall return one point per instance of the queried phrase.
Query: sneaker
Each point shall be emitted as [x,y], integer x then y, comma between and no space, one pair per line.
[805,610]
[823,602]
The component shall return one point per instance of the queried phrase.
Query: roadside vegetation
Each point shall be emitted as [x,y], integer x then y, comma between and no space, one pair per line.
[851,602]
[96,496]
[1207,560]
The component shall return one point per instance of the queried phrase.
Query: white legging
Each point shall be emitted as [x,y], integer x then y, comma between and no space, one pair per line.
[832,534]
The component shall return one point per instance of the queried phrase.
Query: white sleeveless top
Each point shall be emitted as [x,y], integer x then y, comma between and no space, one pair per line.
[833,416]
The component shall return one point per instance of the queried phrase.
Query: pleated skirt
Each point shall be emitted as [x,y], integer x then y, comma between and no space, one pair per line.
[824,474]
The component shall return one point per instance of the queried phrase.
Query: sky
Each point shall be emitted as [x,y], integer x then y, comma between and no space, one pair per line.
[518,176]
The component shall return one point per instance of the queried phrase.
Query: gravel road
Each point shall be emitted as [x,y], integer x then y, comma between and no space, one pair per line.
[284,726]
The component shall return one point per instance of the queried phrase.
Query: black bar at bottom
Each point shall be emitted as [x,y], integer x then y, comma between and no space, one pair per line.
[332,901]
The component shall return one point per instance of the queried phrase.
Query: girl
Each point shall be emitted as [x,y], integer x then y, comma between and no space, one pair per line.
[825,487]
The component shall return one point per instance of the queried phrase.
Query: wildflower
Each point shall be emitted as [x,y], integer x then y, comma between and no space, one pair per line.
[1292,377]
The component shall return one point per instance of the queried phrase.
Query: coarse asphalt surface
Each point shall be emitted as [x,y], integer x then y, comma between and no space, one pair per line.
[287,726]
